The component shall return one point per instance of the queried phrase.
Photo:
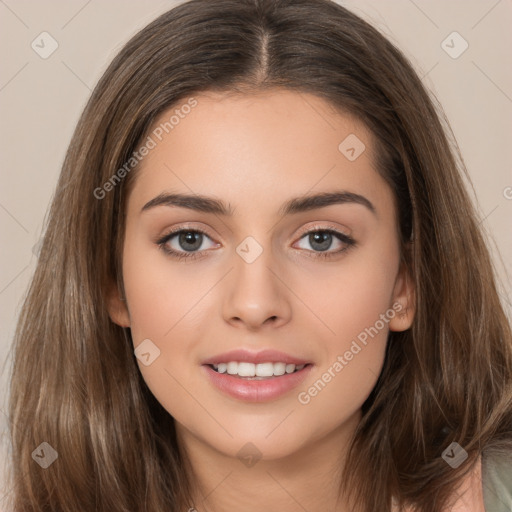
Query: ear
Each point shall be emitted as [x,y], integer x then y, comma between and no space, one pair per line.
[404,301]
[117,307]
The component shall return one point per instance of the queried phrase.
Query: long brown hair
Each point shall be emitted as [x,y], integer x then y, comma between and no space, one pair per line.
[75,382]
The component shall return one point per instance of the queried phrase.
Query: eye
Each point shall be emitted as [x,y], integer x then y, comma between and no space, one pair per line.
[322,239]
[188,243]
[184,243]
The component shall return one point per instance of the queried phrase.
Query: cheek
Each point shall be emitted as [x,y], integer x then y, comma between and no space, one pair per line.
[350,299]
[167,302]
[365,295]
[354,303]
[161,294]
[161,303]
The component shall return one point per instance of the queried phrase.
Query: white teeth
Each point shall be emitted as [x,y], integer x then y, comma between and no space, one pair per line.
[265,369]
[244,369]
[232,368]
[279,368]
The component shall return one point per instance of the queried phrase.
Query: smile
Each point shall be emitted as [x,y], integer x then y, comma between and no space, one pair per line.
[254,387]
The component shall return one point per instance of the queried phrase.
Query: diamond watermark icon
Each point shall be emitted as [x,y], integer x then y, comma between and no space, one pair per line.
[44,45]
[249,249]
[45,455]
[36,249]
[352,147]
[454,45]
[249,455]
[147,352]
[454,455]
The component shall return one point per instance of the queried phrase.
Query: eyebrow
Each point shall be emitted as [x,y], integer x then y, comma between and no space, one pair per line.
[293,206]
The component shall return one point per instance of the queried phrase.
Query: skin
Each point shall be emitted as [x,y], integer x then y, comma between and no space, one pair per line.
[256,152]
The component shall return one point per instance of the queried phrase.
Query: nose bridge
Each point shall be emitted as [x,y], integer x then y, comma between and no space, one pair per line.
[254,291]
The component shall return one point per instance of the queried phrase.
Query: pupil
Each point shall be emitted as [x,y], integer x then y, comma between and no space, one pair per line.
[190,238]
[322,238]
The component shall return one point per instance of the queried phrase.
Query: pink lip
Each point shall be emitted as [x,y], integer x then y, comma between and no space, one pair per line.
[263,356]
[256,390]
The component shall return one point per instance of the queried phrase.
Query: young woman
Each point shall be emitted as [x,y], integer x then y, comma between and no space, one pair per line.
[263,285]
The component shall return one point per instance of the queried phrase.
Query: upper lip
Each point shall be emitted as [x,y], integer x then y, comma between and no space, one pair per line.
[263,356]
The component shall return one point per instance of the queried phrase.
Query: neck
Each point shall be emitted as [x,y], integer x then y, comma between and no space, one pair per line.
[307,479]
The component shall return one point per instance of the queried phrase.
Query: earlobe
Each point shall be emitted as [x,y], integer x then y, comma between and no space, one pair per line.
[117,307]
[404,302]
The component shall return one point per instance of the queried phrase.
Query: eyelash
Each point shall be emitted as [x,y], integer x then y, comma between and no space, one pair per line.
[190,256]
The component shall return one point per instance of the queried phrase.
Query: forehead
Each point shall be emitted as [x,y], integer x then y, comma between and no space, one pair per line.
[267,145]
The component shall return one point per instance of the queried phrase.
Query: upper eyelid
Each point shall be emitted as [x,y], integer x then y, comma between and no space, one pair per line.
[323,227]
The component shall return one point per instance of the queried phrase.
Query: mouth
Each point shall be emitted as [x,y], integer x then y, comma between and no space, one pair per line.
[256,382]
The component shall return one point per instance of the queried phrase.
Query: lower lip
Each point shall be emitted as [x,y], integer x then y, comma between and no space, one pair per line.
[256,390]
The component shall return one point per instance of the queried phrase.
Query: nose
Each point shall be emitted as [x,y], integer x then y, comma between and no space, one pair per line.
[256,295]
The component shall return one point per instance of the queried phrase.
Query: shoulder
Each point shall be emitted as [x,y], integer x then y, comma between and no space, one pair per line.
[497,481]
[488,488]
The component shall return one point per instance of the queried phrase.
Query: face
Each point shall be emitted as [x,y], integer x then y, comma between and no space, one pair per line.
[251,262]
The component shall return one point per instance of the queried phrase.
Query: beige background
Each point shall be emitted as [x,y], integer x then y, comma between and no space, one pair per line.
[41,99]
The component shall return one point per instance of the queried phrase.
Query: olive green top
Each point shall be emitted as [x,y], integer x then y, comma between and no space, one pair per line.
[497,482]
